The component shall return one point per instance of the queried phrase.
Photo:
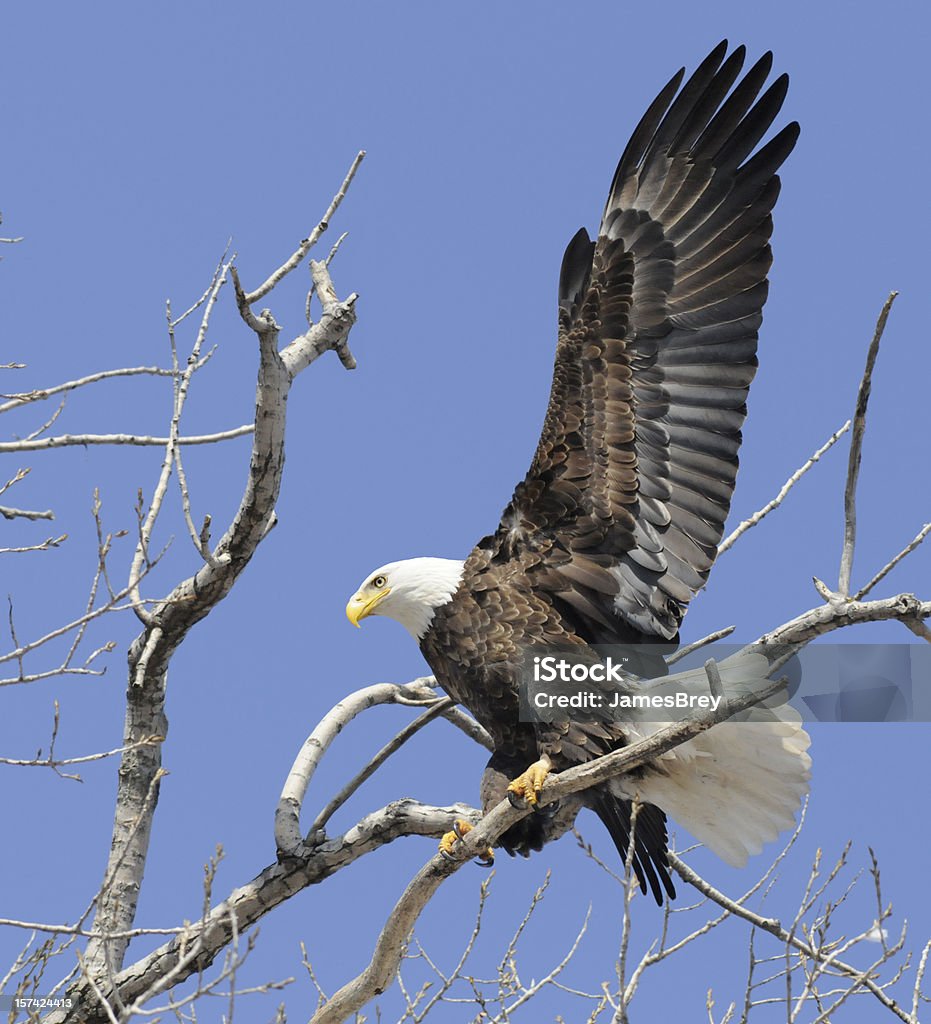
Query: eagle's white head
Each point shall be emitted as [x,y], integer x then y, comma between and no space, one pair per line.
[408,592]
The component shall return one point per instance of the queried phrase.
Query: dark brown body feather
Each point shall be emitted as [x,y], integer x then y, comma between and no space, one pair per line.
[616,525]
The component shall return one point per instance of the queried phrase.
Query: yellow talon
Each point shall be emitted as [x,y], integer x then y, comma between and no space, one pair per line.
[460,830]
[529,785]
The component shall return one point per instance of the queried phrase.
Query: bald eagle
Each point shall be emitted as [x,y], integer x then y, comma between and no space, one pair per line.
[616,525]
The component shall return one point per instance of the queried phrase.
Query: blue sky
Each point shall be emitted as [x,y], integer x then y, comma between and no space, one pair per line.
[137,140]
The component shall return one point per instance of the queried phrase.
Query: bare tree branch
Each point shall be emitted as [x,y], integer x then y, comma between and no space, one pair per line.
[308,243]
[826,618]
[748,524]
[19,399]
[18,513]
[696,645]
[893,562]
[50,761]
[46,545]
[856,447]
[142,440]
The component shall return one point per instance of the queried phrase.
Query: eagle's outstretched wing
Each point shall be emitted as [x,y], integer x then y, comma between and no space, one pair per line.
[624,504]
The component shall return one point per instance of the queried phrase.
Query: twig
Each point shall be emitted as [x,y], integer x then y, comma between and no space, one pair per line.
[174,322]
[856,447]
[78,930]
[39,431]
[49,542]
[179,387]
[696,645]
[52,673]
[13,637]
[748,524]
[142,440]
[893,562]
[20,475]
[393,745]
[919,978]
[51,762]
[307,244]
[18,513]
[335,249]
[620,1016]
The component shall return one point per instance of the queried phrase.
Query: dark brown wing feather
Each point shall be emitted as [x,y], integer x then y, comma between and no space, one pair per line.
[625,501]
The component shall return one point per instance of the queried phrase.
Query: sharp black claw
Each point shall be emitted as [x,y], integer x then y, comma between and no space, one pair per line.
[549,810]
[486,861]
[447,856]
[516,800]
[457,828]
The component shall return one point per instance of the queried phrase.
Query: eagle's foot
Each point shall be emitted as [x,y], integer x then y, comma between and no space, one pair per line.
[526,788]
[460,830]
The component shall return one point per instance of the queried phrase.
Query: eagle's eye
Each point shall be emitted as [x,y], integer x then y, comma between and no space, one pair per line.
[379,582]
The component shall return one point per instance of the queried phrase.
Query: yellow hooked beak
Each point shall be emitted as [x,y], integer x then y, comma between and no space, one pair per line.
[362,604]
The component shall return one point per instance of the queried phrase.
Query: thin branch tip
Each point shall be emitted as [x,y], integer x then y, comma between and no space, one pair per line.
[856,449]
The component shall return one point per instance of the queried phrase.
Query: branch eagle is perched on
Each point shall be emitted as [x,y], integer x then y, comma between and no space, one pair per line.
[616,525]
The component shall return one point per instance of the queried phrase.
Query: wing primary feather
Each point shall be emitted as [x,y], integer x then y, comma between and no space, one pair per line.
[754,126]
[735,106]
[766,160]
[643,133]
[683,105]
[709,102]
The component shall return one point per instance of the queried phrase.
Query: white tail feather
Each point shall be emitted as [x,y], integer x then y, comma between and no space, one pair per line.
[737,785]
